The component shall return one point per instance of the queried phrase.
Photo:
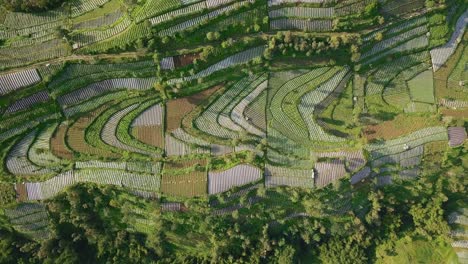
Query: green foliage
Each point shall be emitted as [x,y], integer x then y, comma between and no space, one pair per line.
[342,250]
[336,224]
[372,9]
[106,238]
[439,32]
[7,193]
[14,248]
[437,19]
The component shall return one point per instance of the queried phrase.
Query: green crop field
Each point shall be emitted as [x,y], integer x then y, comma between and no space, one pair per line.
[233,131]
[421,87]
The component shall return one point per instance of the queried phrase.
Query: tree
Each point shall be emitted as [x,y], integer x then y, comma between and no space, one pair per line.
[261,192]
[165,40]
[213,36]
[429,3]
[235,214]
[206,52]
[257,60]
[257,27]
[227,43]
[287,37]
[381,20]
[342,250]
[378,36]
[139,44]
[373,216]
[355,57]
[428,215]
[161,88]
[7,193]
[210,36]
[334,42]
[372,9]
[286,255]
[268,53]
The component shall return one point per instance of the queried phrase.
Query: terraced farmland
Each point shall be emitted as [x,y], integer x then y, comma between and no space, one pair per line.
[316,114]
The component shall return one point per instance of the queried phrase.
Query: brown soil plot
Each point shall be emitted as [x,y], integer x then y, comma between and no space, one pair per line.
[184,60]
[57,143]
[151,135]
[21,192]
[400,126]
[187,185]
[177,109]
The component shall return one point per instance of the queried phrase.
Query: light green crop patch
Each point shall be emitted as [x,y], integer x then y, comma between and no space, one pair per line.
[422,87]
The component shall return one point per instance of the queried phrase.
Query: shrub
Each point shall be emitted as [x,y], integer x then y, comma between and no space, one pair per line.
[7,193]
[439,32]
[437,19]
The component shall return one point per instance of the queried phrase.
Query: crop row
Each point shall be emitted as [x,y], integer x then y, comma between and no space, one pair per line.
[302,12]
[354,159]
[393,41]
[280,176]
[102,21]
[311,100]
[237,176]
[199,20]
[84,38]
[328,172]
[414,139]
[97,89]
[40,151]
[25,126]
[19,56]
[191,9]
[295,129]
[109,131]
[17,20]
[380,78]
[16,80]
[441,54]
[401,157]
[208,121]
[299,24]
[280,2]
[79,7]
[17,161]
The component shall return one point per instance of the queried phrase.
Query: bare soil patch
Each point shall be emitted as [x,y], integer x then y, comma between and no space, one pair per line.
[401,125]
[462,113]
[178,108]
[184,60]
[21,192]
[57,143]
[151,135]
[186,185]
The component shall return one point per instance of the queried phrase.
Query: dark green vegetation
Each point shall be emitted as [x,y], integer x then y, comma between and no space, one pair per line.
[365,224]
[222,131]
